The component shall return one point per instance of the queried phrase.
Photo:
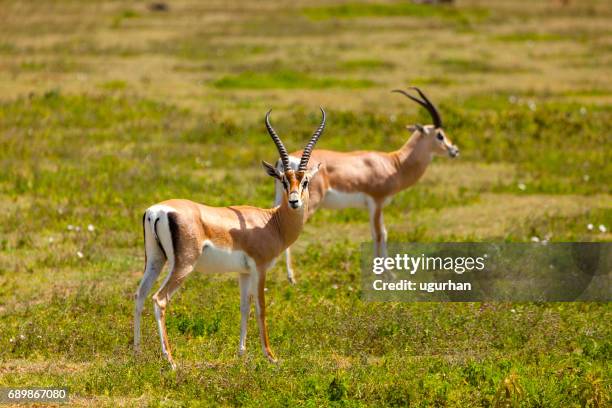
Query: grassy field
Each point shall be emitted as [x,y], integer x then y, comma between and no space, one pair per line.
[108,107]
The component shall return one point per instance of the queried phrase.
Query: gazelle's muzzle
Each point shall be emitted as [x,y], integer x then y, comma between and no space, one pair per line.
[294,200]
[453,151]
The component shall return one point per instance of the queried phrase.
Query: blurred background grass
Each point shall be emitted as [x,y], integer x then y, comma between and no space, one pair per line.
[108,107]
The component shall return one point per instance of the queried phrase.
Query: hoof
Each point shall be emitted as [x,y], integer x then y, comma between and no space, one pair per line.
[271,358]
[292,280]
[170,361]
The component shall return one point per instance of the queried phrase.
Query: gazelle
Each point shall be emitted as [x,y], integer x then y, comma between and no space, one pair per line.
[368,179]
[195,237]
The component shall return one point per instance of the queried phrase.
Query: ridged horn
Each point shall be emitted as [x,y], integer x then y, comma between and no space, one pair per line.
[278,142]
[311,144]
[426,103]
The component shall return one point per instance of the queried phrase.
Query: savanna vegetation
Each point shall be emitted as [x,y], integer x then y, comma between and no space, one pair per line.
[107,107]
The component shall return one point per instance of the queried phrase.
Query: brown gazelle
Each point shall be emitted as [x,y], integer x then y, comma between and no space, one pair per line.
[243,239]
[369,179]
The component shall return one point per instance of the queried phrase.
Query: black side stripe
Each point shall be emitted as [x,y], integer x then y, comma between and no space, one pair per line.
[157,238]
[174,231]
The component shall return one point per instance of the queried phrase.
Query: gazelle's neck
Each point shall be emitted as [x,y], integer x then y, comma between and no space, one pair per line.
[289,222]
[412,159]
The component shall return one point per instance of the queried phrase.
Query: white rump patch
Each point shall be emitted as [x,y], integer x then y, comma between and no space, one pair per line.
[336,200]
[220,260]
[158,209]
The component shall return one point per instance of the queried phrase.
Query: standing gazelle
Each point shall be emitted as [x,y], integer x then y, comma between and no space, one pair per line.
[368,179]
[243,239]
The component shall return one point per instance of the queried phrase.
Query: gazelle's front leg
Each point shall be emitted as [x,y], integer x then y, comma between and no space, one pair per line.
[260,308]
[245,309]
[379,232]
[290,276]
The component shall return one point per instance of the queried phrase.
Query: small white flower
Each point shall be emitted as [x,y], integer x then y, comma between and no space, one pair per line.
[334,286]
[535,239]
[512,99]
[51,240]
[532,105]
[90,228]
[12,340]
[590,227]
[522,186]
[583,111]
[70,227]
[79,254]
[586,177]
[77,228]
[392,118]
[22,337]
[265,289]
[602,228]
[513,310]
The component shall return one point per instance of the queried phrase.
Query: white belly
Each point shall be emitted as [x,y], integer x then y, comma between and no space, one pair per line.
[220,260]
[336,200]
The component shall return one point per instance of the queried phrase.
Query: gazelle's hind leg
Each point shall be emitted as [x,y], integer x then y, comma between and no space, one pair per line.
[161,300]
[245,309]
[182,255]
[154,263]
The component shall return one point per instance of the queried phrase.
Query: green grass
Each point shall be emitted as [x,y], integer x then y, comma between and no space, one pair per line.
[397,9]
[475,66]
[106,110]
[529,36]
[434,80]
[365,64]
[287,80]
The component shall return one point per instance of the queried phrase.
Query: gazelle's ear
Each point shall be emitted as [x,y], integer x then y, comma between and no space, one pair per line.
[416,127]
[271,170]
[313,170]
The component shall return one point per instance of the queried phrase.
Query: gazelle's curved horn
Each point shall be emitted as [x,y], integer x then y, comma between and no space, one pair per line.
[278,142]
[433,111]
[311,144]
[426,103]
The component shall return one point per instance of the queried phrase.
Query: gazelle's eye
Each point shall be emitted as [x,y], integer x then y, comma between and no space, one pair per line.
[440,137]
[305,183]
